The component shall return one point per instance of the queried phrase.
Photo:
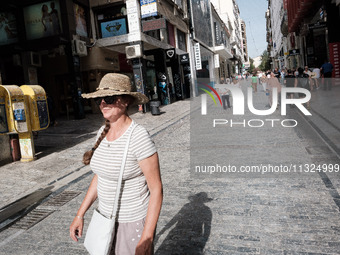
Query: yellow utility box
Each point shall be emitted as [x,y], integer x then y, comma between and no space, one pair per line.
[18,121]
[3,112]
[37,105]
[13,100]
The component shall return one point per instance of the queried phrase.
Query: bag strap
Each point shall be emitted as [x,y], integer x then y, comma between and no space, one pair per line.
[120,178]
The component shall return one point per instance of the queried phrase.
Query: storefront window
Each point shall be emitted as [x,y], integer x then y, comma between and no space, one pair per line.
[112,21]
[181,40]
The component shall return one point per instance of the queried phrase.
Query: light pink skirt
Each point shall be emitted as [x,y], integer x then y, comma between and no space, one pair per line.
[127,237]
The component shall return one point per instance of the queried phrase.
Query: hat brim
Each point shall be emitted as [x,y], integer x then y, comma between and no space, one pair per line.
[139,97]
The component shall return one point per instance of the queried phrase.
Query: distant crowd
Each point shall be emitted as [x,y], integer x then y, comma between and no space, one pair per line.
[311,79]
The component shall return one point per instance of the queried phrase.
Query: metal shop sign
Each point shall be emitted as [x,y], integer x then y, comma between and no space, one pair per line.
[294,52]
[317,25]
[217,60]
[197,51]
[170,53]
[154,24]
[184,59]
[148,8]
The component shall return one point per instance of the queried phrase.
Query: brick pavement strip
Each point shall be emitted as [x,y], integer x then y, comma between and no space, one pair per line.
[207,215]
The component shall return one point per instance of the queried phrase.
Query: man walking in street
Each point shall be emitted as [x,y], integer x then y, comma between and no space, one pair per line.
[326,69]
[277,74]
[225,97]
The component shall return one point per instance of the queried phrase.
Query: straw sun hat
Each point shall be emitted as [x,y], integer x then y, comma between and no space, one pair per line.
[114,84]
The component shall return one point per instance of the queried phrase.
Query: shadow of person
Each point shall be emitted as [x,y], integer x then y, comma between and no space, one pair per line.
[191,230]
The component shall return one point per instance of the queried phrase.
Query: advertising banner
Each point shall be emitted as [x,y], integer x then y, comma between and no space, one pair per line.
[80,20]
[42,20]
[8,28]
[113,28]
[148,8]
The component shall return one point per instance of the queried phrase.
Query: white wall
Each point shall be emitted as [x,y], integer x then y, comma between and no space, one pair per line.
[276,18]
[225,9]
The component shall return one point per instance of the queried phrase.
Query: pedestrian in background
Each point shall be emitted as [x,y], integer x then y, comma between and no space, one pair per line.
[263,80]
[259,75]
[307,71]
[225,95]
[254,82]
[272,83]
[327,69]
[296,73]
[141,195]
[303,81]
[235,81]
[316,77]
[283,74]
[277,74]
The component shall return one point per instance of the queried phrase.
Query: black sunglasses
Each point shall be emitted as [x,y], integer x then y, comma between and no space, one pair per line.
[107,99]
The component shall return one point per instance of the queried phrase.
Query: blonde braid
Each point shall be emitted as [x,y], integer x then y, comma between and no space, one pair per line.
[88,155]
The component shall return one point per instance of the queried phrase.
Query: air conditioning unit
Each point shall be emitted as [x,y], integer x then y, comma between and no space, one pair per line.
[79,48]
[34,59]
[133,51]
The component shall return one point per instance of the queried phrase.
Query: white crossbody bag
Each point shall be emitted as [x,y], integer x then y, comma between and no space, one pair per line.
[100,233]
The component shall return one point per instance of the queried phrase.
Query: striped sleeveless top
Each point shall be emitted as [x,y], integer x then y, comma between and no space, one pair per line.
[106,163]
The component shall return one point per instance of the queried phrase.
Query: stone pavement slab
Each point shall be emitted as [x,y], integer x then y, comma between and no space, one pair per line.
[57,167]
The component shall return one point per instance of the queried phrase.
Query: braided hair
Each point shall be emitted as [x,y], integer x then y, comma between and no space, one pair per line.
[88,155]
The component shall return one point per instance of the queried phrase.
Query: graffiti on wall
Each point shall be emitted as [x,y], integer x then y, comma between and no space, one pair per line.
[139,84]
[178,86]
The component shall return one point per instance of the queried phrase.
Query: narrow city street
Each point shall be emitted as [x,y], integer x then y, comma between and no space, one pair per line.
[241,99]
[213,213]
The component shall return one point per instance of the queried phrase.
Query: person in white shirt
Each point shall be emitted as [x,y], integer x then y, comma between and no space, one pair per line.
[316,77]
[225,95]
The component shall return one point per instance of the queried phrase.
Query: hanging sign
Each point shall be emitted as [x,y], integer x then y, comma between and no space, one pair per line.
[216,61]
[184,58]
[198,56]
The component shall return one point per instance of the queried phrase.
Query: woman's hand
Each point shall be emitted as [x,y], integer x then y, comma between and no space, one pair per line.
[76,228]
[144,247]
[150,168]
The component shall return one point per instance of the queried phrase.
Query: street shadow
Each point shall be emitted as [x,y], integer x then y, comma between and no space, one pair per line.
[69,132]
[192,225]
[160,113]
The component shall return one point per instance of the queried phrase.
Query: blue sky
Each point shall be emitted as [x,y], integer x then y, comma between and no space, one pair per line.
[253,13]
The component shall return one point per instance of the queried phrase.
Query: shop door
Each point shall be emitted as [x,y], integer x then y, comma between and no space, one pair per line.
[151,83]
[320,47]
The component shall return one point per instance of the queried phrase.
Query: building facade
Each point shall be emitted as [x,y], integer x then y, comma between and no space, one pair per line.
[303,33]
[244,42]
[164,46]
[230,14]
[67,46]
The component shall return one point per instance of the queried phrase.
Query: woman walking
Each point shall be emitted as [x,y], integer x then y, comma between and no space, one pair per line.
[141,196]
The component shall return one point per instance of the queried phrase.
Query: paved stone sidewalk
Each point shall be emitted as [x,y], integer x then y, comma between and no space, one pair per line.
[73,137]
